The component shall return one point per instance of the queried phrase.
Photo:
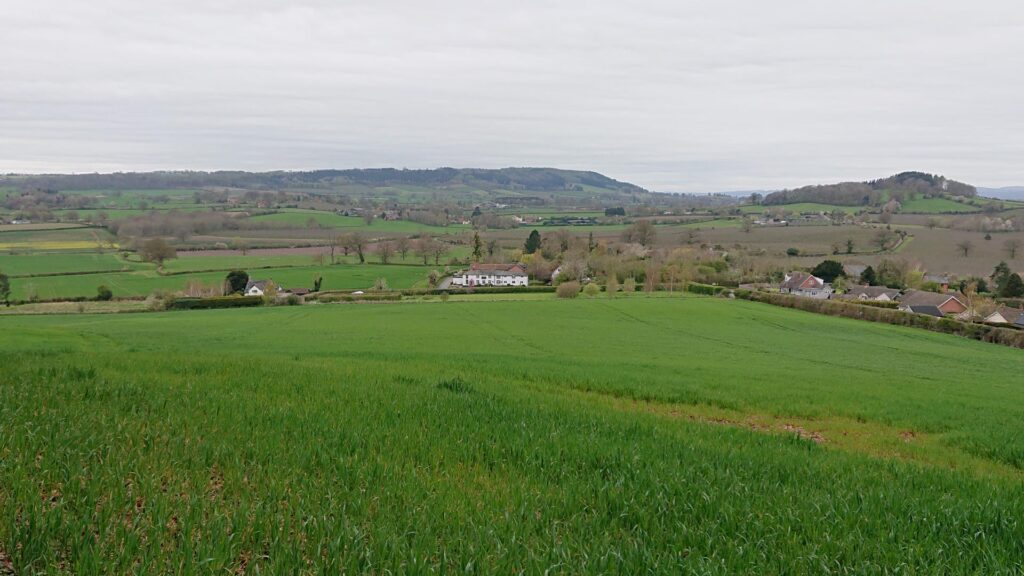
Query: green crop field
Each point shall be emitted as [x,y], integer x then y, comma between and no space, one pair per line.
[635,435]
[145,282]
[936,206]
[64,262]
[67,238]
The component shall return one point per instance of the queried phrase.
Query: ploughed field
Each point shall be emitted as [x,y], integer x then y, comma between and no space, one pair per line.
[624,435]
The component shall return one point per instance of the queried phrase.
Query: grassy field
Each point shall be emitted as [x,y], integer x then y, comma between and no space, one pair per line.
[145,282]
[67,238]
[663,435]
[64,262]
[936,206]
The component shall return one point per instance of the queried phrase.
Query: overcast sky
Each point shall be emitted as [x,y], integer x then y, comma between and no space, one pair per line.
[672,95]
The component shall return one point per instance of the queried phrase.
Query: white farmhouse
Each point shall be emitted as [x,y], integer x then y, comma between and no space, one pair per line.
[256,287]
[492,275]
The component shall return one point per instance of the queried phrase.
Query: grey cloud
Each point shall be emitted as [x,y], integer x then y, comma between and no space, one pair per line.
[671,95]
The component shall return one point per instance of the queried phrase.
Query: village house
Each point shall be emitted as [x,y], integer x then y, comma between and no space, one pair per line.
[256,287]
[870,293]
[926,309]
[940,280]
[1006,315]
[807,285]
[492,275]
[948,304]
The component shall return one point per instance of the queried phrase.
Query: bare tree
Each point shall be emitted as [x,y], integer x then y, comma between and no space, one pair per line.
[1012,246]
[385,250]
[402,246]
[966,246]
[334,241]
[883,238]
[438,249]
[641,232]
[747,224]
[368,217]
[157,250]
[423,248]
[356,242]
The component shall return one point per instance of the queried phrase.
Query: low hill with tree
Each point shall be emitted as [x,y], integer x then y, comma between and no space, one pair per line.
[900,187]
[534,185]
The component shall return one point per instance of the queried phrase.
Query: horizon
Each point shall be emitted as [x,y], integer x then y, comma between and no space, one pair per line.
[761,190]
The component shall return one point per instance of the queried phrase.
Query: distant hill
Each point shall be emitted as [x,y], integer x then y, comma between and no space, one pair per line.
[536,185]
[1004,193]
[902,186]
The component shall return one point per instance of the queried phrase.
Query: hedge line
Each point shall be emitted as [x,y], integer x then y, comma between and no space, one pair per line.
[377,297]
[707,289]
[215,302]
[982,332]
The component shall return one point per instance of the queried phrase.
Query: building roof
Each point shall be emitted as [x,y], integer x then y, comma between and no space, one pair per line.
[261,284]
[925,298]
[927,309]
[871,291]
[497,269]
[854,270]
[797,281]
[1011,315]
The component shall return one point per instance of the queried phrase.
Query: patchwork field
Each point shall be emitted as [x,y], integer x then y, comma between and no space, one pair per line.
[586,436]
[145,282]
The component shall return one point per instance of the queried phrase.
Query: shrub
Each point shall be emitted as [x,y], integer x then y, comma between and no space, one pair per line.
[216,302]
[591,290]
[568,289]
[629,286]
[792,251]
[103,293]
[706,289]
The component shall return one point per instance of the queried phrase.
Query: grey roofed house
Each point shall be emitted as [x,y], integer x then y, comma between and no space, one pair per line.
[925,298]
[928,309]
[256,283]
[854,270]
[1020,321]
[877,293]
[1006,315]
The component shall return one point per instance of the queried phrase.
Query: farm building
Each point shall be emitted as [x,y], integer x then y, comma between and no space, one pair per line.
[872,293]
[492,275]
[804,284]
[946,303]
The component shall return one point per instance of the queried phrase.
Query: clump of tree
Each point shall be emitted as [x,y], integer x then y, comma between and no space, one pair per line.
[533,242]
[828,270]
[157,250]
[5,289]
[103,293]
[236,281]
[1007,283]
[641,232]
